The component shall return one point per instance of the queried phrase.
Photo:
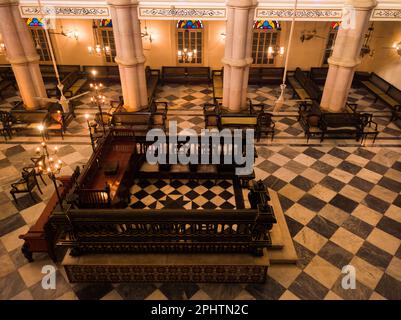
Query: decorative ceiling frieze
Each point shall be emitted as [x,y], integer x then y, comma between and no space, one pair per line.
[386,14]
[65,12]
[182,13]
[301,14]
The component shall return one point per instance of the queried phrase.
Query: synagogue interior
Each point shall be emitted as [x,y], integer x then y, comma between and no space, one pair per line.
[304,185]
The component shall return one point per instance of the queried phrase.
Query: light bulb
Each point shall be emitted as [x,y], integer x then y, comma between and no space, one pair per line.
[86,116]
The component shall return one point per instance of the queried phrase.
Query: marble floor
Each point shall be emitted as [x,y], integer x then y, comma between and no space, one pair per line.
[342,203]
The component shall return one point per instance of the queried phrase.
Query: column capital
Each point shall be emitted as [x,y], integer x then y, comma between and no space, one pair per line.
[242,4]
[346,63]
[362,4]
[123,3]
[130,62]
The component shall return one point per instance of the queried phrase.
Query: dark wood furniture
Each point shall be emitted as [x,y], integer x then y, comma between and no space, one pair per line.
[28,119]
[303,86]
[5,83]
[73,84]
[25,185]
[217,82]
[319,75]
[5,124]
[152,81]
[36,239]
[139,122]
[386,92]
[96,225]
[309,115]
[265,75]
[103,73]
[186,74]
[265,125]
[48,74]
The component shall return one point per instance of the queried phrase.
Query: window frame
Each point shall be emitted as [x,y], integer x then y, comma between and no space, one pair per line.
[328,51]
[38,33]
[200,48]
[273,33]
[107,58]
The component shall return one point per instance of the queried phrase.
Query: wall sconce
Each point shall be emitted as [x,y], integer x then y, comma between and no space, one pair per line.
[274,51]
[2,48]
[146,34]
[97,48]
[397,47]
[223,35]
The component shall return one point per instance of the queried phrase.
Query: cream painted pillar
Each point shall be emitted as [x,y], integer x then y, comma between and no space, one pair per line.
[21,54]
[130,57]
[346,57]
[238,53]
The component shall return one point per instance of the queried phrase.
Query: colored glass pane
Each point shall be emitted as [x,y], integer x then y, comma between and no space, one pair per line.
[189,24]
[267,25]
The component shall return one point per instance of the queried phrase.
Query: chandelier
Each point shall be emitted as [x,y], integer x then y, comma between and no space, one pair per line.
[275,50]
[97,48]
[185,56]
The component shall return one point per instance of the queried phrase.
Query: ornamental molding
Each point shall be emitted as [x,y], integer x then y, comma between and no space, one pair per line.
[65,12]
[182,13]
[386,14]
[301,14]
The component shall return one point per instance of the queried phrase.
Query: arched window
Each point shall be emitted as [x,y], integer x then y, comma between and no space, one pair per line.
[189,41]
[105,37]
[36,25]
[265,43]
[334,26]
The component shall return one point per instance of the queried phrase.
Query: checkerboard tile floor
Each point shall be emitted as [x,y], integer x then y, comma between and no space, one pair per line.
[342,203]
[188,194]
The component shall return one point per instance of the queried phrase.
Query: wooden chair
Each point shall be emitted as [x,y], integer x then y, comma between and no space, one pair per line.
[55,122]
[265,125]
[256,108]
[5,127]
[36,162]
[102,119]
[25,185]
[211,113]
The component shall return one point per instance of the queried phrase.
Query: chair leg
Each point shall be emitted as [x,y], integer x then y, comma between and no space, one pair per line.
[30,193]
[14,197]
[41,178]
[37,184]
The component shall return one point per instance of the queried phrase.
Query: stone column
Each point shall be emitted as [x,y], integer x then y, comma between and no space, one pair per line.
[130,57]
[237,53]
[346,57]
[21,54]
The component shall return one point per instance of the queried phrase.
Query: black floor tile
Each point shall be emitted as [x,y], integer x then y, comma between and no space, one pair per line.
[271,290]
[323,226]
[302,183]
[332,184]
[179,291]
[305,287]
[390,226]
[11,223]
[375,203]
[349,167]
[135,291]
[361,184]
[389,287]
[361,292]
[390,184]
[312,203]
[304,255]
[357,226]
[344,203]
[374,255]
[92,291]
[335,254]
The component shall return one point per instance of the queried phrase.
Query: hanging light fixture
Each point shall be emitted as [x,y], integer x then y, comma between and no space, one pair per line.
[397,47]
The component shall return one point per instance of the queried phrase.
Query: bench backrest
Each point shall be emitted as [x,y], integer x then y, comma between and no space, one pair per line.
[238,120]
[379,82]
[300,76]
[131,118]
[69,80]
[394,93]
[27,116]
[174,71]
[198,71]
[318,72]
[68,68]
[272,72]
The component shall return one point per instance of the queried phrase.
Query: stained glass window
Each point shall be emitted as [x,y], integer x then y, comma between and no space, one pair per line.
[35,22]
[189,24]
[106,23]
[267,25]
[335,25]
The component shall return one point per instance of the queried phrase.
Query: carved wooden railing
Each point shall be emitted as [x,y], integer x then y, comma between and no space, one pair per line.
[165,230]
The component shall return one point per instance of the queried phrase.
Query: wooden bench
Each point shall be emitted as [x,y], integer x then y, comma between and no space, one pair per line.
[5,84]
[47,71]
[152,80]
[238,121]
[309,115]
[265,75]
[185,74]
[103,73]
[304,87]
[217,82]
[386,92]
[28,119]
[139,122]
[319,75]
[35,240]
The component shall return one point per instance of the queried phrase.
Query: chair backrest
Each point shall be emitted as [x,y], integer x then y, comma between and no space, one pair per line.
[131,118]
[379,82]
[265,119]
[103,118]
[29,116]
[4,117]
[198,71]
[174,71]
[30,179]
